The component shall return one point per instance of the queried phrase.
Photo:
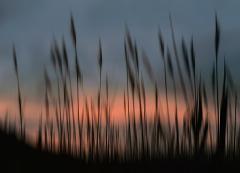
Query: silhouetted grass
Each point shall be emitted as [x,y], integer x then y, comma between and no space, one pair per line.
[89,134]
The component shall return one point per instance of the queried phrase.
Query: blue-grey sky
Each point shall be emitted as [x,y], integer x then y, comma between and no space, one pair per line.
[32,24]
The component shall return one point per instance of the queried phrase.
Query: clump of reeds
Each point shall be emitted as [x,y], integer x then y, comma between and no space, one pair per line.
[92,135]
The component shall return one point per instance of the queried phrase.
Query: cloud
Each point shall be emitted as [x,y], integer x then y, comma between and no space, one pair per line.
[32,24]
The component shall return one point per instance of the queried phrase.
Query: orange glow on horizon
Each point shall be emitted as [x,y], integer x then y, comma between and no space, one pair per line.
[33,110]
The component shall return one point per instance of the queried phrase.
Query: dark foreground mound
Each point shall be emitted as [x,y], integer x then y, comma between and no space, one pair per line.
[17,156]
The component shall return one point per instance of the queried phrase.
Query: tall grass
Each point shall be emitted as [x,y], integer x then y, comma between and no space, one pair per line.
[91,134]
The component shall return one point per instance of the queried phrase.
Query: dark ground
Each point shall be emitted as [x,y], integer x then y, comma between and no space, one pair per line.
[16,156]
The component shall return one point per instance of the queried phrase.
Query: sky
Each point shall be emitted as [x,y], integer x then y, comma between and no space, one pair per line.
[32,25]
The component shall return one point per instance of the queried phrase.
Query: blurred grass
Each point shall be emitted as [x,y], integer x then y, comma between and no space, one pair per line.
[91,136]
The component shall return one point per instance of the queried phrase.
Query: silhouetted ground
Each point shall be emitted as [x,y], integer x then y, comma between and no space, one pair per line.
[16,156]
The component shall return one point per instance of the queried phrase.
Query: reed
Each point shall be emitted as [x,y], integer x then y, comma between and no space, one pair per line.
[91,134]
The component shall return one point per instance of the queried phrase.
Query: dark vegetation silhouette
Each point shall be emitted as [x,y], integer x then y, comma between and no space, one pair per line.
[89,140]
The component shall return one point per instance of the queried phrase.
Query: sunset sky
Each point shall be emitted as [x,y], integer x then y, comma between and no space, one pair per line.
[32,24]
